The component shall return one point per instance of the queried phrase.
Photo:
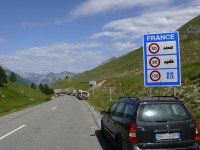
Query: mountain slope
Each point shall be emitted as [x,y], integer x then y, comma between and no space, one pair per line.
[15,96]
[48,79]
[127,73]
[19,79]
[131,65]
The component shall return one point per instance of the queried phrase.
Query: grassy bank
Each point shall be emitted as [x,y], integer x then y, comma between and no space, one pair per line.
[15,97]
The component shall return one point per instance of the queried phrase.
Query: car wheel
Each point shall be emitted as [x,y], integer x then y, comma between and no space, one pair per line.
[118,144]
[102,129]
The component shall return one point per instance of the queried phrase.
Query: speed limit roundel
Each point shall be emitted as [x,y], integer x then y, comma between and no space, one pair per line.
[155,75]
[154,62]
[154,48]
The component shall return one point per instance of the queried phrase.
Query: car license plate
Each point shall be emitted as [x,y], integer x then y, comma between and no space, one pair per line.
[167,136]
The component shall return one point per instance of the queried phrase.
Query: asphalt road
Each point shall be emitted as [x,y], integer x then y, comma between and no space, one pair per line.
[64,123]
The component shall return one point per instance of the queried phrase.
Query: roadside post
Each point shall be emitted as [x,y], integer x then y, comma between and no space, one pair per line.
[110,87]
[161,54]
[93,84]
[110,94]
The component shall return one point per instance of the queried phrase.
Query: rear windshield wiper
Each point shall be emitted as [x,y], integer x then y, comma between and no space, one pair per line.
[163,120]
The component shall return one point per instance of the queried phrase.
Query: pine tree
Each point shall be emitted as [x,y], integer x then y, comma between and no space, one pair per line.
[41,87]
[33,86]
[13,77]
[2,77]
[45,89]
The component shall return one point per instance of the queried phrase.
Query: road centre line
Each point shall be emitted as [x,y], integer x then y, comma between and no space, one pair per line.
[12,132]
[53,108]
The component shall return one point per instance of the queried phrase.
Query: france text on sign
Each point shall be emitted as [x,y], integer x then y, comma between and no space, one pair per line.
[161,59]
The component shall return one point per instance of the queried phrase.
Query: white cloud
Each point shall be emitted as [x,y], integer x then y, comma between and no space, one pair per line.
[59,57]
[168,19]
[119,46]
[91,7]
[58,47]
[115,35]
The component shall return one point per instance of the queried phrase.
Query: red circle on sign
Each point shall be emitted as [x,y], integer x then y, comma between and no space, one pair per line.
[156,76]
[154,48]
[151,63]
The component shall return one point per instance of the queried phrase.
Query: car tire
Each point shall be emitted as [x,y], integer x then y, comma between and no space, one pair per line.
[102,129]
[118,144]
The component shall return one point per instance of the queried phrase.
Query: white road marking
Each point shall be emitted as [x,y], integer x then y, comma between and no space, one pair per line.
[12,132]
[53,108]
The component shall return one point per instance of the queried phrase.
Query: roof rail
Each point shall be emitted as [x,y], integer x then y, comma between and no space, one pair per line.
[166,97]
[129,97]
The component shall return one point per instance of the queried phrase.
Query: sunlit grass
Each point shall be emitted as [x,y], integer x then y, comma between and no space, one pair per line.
[14,97]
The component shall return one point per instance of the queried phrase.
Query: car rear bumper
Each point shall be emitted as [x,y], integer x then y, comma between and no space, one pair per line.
[196,146]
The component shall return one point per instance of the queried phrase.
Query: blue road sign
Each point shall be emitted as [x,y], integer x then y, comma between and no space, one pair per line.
[161,54]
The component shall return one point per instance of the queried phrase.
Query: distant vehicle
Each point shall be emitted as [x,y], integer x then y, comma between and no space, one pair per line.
[161,123]
[83,95]
[60,94]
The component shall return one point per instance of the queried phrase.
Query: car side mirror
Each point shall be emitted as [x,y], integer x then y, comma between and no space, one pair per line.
[103,112]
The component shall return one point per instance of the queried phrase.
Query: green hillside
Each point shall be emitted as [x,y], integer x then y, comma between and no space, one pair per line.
[127,73]
[15,96]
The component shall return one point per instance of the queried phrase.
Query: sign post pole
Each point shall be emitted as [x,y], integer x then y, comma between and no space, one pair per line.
[110,94]
[93,84]
[151,89]
[110,87]
[174,91]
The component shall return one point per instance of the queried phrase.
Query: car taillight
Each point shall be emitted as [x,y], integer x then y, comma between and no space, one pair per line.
[196,131]
[132,134]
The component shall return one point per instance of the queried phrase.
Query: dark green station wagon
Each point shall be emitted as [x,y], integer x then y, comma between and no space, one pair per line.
[157,123]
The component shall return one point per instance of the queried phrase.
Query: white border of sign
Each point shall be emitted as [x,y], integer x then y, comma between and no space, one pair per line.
[161,54]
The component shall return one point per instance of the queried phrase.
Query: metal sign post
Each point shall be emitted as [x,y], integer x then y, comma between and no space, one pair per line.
[110,87]
[110,94]
[93,84]
[93,90]
[174,91]
[151,89]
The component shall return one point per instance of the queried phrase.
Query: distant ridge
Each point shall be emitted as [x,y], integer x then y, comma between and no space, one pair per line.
[19,79]
[28,78]
[48,79]
[108,60]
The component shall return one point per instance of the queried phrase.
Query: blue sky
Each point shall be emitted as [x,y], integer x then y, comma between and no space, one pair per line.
[44,36]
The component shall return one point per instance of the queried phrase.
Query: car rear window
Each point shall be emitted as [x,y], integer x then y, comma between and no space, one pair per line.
[84,93]
[160,112]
